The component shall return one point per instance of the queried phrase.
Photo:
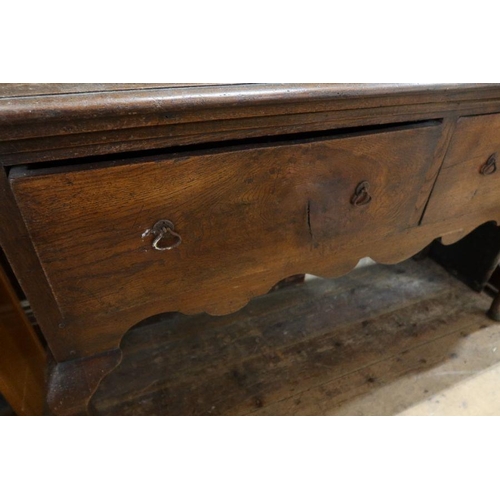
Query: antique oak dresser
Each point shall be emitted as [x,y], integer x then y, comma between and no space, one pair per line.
[120,202]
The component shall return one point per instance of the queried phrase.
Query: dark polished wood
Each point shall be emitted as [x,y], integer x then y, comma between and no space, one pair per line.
[46,89]
[256,183]
[44,127]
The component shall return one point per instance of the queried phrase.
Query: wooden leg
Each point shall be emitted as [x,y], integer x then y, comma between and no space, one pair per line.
[72,383]
[22,357]
[494,312]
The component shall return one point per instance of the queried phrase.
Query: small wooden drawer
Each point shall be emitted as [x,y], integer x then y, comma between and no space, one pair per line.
[469,181]
[242,218]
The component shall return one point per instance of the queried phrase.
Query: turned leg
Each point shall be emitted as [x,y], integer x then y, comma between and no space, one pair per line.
[73,383]
[494,311]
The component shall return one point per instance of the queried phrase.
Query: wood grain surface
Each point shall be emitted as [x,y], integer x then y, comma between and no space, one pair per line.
[11,90]
[374,342]
[248,218]
[257,178]
[71,125]
[22,358]
[461,186]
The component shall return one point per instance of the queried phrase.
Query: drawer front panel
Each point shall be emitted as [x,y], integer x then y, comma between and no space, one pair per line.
[238,218]
[469,181]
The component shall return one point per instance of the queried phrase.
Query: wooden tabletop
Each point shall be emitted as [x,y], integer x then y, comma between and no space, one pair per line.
[40,89]
[43,122]
[12,90]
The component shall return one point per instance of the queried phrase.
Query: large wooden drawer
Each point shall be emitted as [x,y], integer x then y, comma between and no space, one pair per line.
[247,215]
[468,183]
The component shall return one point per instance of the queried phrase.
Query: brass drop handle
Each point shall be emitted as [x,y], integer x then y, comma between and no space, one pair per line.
[165,229]
[361,195]
[490,167]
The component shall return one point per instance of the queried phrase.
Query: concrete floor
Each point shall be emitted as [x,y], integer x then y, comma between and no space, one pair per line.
[477,394]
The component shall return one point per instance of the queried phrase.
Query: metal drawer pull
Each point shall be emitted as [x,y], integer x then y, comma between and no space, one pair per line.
[165,229]
[361,195]
[490,167]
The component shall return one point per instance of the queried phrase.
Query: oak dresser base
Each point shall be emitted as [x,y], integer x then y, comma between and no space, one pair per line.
[122,203]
